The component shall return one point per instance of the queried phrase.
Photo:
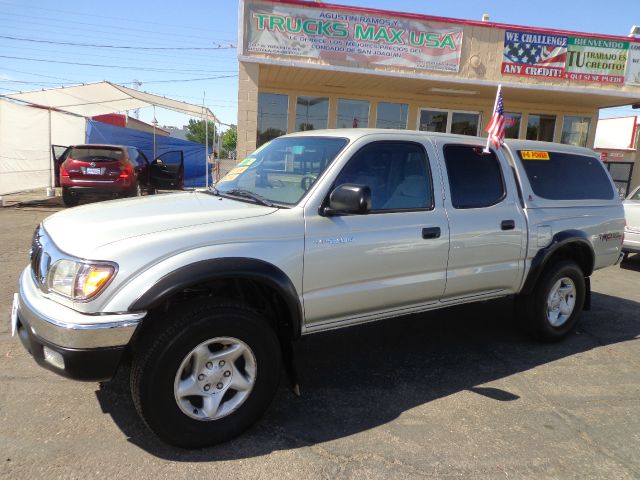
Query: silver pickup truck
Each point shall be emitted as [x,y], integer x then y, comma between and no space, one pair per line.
[204,293]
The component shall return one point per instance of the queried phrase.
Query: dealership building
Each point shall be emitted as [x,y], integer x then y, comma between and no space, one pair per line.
[308,65]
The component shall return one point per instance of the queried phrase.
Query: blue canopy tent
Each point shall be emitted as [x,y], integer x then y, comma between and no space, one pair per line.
[194,154]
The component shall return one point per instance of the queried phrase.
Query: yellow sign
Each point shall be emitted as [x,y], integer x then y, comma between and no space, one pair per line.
[534,155]
[229,177]
[238,170]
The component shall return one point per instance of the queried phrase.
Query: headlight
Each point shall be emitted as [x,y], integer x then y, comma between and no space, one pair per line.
[78,280]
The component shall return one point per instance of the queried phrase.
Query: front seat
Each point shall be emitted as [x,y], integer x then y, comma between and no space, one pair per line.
[412,191]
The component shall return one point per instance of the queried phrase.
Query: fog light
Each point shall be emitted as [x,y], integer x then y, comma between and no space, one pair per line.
[53,357]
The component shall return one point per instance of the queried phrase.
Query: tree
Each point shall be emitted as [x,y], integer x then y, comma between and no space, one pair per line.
[196,132]
[230,139]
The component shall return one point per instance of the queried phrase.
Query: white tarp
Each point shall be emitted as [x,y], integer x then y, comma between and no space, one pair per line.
[25,144]
[616,133]
[105,97]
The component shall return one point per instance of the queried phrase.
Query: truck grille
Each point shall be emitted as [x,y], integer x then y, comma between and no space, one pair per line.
[40,260]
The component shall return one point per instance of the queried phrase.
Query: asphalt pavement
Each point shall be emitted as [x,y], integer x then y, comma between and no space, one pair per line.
[458,393]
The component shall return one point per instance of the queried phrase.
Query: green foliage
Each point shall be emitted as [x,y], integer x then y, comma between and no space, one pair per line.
[230,138]
[196,132]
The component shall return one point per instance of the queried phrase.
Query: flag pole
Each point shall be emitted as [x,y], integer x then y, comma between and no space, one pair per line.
[495,105]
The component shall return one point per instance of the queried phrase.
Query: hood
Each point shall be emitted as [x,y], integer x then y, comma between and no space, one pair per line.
[80,230]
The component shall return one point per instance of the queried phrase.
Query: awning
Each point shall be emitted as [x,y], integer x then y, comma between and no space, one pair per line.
[104,97]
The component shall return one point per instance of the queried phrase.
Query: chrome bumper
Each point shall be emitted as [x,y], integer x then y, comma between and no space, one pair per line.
[68,328]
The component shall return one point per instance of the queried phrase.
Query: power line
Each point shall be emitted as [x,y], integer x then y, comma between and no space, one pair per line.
[187,79]
[92,16]
[128,47]
[147,69]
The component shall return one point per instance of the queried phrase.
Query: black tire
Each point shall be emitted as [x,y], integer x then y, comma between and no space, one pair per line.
[137,190]
[162,350]
[68,199]
[532,309]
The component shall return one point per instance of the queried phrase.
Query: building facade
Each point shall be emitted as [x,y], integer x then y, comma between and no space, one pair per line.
[306,65]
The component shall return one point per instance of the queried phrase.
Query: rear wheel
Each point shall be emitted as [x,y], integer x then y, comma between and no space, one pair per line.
[553,309]
[68,199]
[205,373]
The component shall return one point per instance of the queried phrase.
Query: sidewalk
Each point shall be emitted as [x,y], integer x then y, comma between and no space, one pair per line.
[32,198]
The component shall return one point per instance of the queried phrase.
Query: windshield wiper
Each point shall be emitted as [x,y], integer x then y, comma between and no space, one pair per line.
[241,192]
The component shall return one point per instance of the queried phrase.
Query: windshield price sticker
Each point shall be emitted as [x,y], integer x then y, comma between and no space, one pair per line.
[229,177]
[534,155]
[237,170]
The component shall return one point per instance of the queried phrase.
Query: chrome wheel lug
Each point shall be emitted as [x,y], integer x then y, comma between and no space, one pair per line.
[221,363]
[227,373]
[207,387]
[219,385]
[201,377]
[209,365]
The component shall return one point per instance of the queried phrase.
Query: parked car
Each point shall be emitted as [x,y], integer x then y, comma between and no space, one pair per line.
[206,292]
[632,229]
[115,171]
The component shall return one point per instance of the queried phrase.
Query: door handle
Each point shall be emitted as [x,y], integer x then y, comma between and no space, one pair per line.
[508,225]
[431,232]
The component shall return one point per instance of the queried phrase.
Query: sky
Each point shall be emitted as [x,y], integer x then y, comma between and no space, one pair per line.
[187,50]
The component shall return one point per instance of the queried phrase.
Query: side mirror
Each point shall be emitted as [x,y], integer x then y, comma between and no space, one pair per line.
[349,198]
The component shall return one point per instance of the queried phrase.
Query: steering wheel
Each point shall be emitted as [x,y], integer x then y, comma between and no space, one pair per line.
[306,182]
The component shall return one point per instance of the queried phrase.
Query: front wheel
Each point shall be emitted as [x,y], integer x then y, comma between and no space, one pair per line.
[553,309]
[205,373]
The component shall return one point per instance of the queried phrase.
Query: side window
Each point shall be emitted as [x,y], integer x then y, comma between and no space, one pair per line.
[475,178]
[565,176]
[142,158]
[133,156]
[396,172]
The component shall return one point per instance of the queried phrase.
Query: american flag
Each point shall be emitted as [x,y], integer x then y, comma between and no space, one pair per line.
[534,54]
[495,129]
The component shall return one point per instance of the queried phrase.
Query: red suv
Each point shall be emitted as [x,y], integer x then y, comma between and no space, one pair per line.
[116,171]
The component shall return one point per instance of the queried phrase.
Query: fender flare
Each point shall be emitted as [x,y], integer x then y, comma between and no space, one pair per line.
[228,267]
[559,240]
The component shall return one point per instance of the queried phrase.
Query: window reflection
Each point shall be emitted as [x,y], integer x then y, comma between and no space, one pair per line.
[575,131]
[353,113]
[273,112]
[541,127]
[312,113]
[392,115]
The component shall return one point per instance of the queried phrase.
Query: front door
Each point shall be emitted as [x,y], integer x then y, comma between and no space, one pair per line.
[167,171]
[391,260]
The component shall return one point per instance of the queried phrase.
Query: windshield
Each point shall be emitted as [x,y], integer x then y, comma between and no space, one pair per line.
[283,170]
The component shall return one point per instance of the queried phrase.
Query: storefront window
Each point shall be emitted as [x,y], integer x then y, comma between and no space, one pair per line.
[312,113]
[465,123]
[272,116]
[512,124]
[353,113]
[433,121]
[392,115]
[541,127]
[575,130]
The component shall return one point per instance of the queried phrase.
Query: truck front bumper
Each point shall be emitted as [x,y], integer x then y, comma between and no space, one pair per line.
[67,342]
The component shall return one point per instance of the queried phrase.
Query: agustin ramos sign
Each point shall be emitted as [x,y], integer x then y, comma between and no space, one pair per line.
[364,39]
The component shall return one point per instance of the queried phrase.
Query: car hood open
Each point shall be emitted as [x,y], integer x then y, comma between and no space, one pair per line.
[80,230]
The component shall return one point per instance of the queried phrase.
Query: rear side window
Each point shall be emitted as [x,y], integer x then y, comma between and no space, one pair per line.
[475,177]
[566,176]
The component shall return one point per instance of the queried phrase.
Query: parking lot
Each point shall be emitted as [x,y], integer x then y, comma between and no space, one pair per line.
[459,393]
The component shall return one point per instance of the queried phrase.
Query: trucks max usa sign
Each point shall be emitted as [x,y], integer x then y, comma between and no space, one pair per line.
[332,35]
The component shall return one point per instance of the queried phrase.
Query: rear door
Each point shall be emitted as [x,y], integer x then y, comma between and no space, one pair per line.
[487,225]
[167,171]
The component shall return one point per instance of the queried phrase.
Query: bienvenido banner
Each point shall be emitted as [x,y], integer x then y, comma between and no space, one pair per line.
[364,39]
[596,60]
[532,54]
